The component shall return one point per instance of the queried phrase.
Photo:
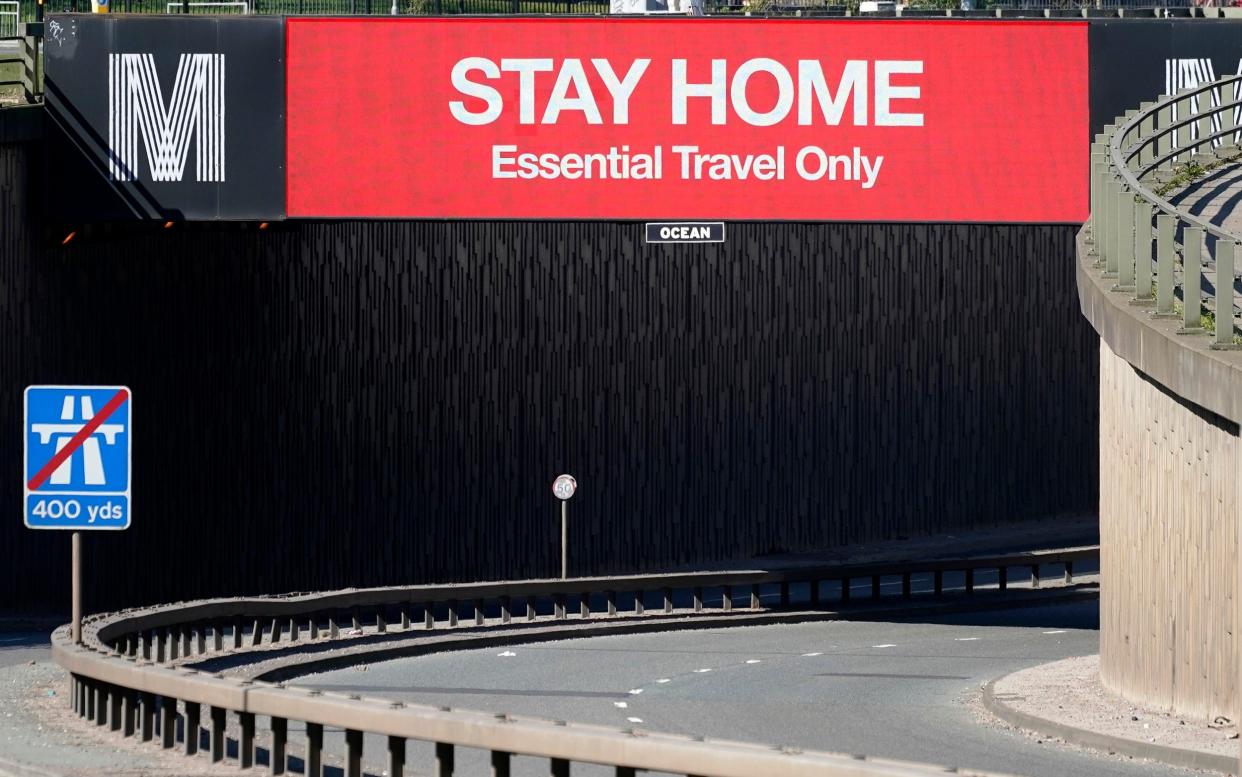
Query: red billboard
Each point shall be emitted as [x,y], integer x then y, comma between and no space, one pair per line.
[761,119]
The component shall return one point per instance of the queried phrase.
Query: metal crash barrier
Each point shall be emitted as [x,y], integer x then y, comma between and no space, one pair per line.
[129,672]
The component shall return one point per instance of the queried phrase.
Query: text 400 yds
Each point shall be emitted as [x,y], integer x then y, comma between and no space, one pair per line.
[71,510]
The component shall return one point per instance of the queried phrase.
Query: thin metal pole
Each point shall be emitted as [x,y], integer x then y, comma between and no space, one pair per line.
[564,539]
[77,588]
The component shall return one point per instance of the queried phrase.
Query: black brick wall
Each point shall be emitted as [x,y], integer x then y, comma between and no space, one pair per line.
[346,404]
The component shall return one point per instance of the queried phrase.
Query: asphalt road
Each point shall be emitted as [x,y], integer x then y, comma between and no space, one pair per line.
[898,690]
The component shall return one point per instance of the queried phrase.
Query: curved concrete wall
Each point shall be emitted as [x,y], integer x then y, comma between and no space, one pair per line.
[1169,508]
[1168,545]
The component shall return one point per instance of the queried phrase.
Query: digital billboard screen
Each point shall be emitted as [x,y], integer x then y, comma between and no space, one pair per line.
[763,119]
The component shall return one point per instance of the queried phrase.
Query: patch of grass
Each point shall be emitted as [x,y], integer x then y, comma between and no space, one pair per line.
[1191,171]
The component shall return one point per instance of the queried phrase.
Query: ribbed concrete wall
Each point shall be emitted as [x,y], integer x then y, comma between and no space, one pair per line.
[1169,481]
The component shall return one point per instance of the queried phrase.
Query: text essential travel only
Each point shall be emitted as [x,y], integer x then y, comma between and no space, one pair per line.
[810,163]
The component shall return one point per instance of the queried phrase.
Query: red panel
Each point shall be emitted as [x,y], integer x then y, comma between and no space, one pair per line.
[1003,107]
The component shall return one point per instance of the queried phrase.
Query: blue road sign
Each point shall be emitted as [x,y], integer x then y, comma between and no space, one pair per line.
[77,462]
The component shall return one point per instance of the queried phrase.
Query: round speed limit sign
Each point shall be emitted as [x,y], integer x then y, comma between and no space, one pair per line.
[564,486]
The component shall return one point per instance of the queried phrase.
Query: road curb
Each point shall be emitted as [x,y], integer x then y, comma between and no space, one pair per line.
[1172,756]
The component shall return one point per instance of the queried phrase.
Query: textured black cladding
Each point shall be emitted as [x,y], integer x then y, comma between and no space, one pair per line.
[349,404]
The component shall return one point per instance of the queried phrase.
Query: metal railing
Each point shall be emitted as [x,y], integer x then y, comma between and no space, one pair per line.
[1159,252]
[130,673]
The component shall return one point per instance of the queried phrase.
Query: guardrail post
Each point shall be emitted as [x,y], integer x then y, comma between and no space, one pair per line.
[1034,575]
[698,599]
[215,740]
[1165,140]
[1165,225]
[129,712]
[506,615]
[314,750]
[639,609]
[1227,122]
[405,616]
[1225,250]
[1146,127]
[1142,253]
[354,622]
[559,606]
[147,719]
[192,711]
[1183,135]
[530,608]
[429,615]
[256,633]
[1191,279]
[452,605]
[101,703]
[1125,240]
[444,757]
[1108,205]
[280,746]
[294,630]
[584,605]
[168,722]
[353,753]
[245,743]
[500,763]
[217,637]
[114,708]
[161,642]
[88,699]
[611,598]
[478,612]
[1069,572]
[146,645]
[237,633]
[754,599]
[726,601]
[396,756]
[275,630]
[312,626]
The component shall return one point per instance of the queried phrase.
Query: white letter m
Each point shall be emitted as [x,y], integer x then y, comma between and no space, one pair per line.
[136,108]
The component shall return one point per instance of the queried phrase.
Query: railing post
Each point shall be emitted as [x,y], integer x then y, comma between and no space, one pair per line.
[726,601]
[114,708]
[147,717]
[314,750]
[168,722]
[129,712]
[1192,282]
[1142,252]
[500,763]
[1165,142]
[192,712]
[698,600]
[1164,265]
[353,753]
[396,756]
[444,760]
[754,598]
[1146,127]
[1034,575]
[1225,250]
[1112,230]
[245,743]
[1125,240]
[215,742]
[1228,121]
[280,745]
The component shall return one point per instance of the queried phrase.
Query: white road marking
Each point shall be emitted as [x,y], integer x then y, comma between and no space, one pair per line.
[883,646]
[966,639]
[506,654]
[1058,631]
[701,671]
[620,705]
[811,655]
[752,661]
[635,691]
[635,720]
[662,680]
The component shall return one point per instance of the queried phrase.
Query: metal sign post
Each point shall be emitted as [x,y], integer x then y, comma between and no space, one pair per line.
[564,487]
[76,469]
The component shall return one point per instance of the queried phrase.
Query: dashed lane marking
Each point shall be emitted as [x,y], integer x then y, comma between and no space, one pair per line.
[811,655]
[884,646]
[620,705]
[635,720]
